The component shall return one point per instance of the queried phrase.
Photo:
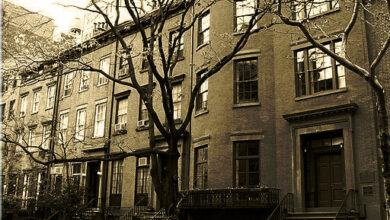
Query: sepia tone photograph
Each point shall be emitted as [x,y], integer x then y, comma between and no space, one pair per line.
[195,110]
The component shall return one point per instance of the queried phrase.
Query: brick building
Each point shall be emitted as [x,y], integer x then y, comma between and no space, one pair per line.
[280,116]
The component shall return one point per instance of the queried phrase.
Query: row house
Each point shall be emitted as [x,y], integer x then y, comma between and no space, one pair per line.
[281,119]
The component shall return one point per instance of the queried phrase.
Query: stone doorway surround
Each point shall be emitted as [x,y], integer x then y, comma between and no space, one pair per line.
[313,121]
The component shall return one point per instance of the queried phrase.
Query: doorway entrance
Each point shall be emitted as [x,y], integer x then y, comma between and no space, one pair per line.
[324,169]
[93,182]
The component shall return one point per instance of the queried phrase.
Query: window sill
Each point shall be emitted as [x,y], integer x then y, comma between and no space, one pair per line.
[34,113]
[243,105]
[144,70]
[238,33]
[50,108]
[65,96]
[99,85]
[124,76]
[121,132]
[81,91]
[178,121]
[143,128]
[201,112]
[94,137]
[321,94]
[202,45]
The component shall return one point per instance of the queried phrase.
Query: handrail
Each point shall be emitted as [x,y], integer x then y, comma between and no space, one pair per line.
[343,207]
[286,204]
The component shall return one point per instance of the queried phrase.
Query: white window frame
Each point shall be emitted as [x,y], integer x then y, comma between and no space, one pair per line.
[244,10]
[84,80]
[35,104]
[23,106]
[51,92]
[46,132]
[100,123]
[103,80]
[176,99]
[80,128]
[68,85]
[62,135]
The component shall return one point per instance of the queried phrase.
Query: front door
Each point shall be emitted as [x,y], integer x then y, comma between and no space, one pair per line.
[93,183]
[330,179]
[324,169]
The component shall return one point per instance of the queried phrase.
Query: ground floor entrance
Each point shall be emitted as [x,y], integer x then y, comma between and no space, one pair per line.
[93,183]
[324,171]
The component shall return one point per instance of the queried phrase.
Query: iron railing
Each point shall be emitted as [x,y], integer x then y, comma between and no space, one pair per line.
[231,198]
[349,206]
[133,212]
[286,205]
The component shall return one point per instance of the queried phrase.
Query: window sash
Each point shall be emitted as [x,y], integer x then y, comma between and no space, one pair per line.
[245,170]
[246,80]
[121,116]
[204,28]
[46,132]
[50,97]
[84,80]
[23,106]
[35,102]
[104,66]
[80,124]
[200,168]
[100,113]
[179,47]
[311,8]
[117,176]
[317,72]
[244,10]
[144,114]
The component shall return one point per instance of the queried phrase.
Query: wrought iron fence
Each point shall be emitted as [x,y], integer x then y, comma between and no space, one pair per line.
[231,198]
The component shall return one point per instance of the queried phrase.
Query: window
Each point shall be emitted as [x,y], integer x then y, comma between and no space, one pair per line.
[76,173]
[200,168]
[35,107]
[145,62]
[105,66]
[63,127]
[201,99]
[11,108]
[121,115]
[143,113]
[317,72]
[116,183]
[84,80]
[100,116]
[176,98]
[142,182]
[68,84]
[247,164]
[50,97]
[123,65]
[32,137]
[179,44]
[245,80]
[204,28]
[46,132]
[23,106]
[244,10]
[80,124]
[311,8]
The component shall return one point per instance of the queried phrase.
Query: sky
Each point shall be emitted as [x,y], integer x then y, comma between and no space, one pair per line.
[62,15]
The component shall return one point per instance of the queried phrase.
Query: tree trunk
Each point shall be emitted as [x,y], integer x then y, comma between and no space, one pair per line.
[164,174]
[383,129]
